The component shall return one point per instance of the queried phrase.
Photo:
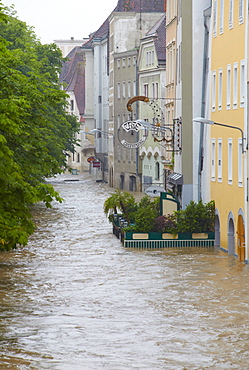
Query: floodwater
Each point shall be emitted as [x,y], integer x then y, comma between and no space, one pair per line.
[75,298]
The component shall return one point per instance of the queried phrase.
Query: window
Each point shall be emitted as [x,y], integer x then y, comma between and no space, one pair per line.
[156,90]
[119,90]
[229,86]
[123,62]
[129,62]
[230,20]
[123,90]
[241,11]
[134,88]
[129,89]
[213,148]
[213,90]
[215,19]
[134,61]
[220,90]
[235,85]
[219,160]
[118,63]
[152,57]
[240,167]
[230,161]
[147,58]
[146,90]
[242,83]
[153,90]
[157,171]
[72,105]
[221,16]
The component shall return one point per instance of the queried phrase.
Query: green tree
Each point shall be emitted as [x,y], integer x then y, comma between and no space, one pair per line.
[35,129]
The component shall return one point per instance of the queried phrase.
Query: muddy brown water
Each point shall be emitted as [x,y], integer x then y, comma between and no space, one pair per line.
[75,298]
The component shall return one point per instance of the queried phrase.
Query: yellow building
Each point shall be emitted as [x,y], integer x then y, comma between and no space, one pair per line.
[228,101]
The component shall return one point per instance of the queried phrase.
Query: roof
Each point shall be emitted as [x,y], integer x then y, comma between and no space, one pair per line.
[73,74]
[160,41]
[158,32]
[143,6]
[101,33]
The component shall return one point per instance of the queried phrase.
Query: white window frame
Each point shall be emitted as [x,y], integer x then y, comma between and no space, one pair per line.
[152,57]
[220,89]
[153,90]
[129,61]
[219,160]
[221,16]
[230,161]
[240,163]
[213,160]
[156,90]
[146,90]
[123,89]
[118,63]
[228,89]
[129,89]
[123,62]
[134,88]
[147,58]
[215,18]
[235,85]
[119,90]
[241,11]
[231,9]
[213,90]
[242,83]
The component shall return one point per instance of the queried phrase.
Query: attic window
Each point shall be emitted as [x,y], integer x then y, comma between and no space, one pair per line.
[71,105]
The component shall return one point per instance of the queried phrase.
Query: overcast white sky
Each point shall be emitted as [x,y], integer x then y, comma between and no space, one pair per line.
[62,19]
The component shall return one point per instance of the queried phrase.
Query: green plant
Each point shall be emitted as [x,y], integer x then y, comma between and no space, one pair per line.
[145,215]
[196,218]
[120,201]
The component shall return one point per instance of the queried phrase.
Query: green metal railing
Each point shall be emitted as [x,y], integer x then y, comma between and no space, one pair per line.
[160,244]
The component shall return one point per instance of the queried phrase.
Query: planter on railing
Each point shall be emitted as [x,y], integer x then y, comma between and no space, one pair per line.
[159,240]
[156,240]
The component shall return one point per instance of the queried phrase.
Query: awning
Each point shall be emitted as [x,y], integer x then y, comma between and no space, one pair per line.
[175,179]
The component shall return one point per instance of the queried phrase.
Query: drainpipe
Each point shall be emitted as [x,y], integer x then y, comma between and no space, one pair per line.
[206,14]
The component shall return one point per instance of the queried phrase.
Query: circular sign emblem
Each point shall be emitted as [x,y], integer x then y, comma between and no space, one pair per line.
[132,134]
[91,159]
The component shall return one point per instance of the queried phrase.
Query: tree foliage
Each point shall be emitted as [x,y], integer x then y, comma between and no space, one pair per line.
[196,218]
[140,216]
[35,129]
[120,201]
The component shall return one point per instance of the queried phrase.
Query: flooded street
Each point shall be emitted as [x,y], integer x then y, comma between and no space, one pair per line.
[75,298]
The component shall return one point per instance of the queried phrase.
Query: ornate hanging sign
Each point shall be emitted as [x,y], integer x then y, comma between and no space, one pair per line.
[132,134]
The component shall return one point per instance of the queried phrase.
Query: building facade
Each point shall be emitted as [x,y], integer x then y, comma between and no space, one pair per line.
[228,108]
[128,24]
[152,80]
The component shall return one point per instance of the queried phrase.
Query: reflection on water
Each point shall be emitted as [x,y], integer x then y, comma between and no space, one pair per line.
[74,298]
